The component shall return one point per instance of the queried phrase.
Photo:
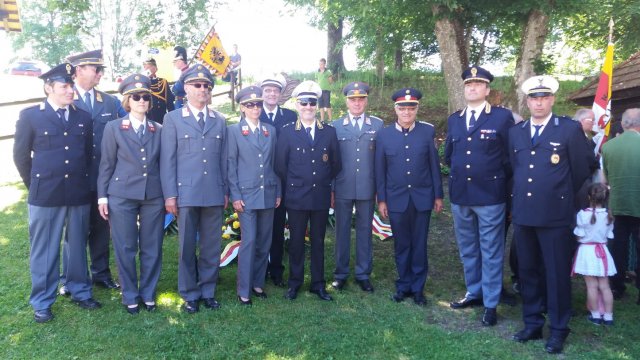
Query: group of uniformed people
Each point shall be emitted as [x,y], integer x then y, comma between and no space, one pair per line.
[273,164]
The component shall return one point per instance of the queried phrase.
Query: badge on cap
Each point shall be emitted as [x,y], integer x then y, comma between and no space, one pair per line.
[474,71]
[68,69]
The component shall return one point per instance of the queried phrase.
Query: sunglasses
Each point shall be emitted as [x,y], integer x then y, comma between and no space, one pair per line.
[305,103]
[200,85]
[137,97]
[252,105]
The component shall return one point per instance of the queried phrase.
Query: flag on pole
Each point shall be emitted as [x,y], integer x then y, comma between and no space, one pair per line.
[602,101]
[212,54]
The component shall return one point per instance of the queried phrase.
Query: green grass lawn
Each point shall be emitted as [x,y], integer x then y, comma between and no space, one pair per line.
[354,325]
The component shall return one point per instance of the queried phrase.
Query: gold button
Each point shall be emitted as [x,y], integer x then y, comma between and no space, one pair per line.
[531,166]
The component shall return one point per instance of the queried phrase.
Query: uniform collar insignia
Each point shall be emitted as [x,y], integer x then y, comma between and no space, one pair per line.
[346,121]
[367,120]
[126,124]
[98,96]
[42,106]
[150,126]
[185,111]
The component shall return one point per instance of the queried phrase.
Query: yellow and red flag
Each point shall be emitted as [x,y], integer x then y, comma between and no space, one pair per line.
[211,53]
[602,101]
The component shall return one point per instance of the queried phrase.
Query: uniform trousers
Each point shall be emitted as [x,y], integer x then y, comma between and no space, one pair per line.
[623,228]
[46,225]
[480,236]
[298,220]
[131,241]
[257,228]
[410,231]
[544,258]
[198,275]
[364,250]
[276,251]
[98,241]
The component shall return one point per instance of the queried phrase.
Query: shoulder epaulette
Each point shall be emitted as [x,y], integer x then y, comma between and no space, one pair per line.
[426,123]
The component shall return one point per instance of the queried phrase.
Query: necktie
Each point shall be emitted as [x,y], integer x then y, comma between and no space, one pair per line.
[140,131]
[87,100]
[356,122]
[61,112]
[271,117]
[536,134]
[309,135]
[472,120]
[201,120]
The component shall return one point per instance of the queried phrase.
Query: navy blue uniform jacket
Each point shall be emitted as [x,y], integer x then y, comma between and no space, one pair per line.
[547,175]
[407,166]
[479,159]
[307,169]
[58,173]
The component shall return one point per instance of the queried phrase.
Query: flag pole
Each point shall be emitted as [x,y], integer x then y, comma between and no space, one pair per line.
[611,30]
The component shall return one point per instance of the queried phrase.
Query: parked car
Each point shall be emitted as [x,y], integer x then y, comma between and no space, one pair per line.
[28,68]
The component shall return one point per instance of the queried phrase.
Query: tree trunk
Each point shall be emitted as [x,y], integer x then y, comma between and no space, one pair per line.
[534,34]
[454,56]
[379,55]
[335,59]
[398,59]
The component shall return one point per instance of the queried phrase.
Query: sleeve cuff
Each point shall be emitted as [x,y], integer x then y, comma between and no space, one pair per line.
[103,200]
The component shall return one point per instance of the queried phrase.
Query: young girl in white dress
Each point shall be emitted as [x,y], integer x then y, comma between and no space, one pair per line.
[594,226]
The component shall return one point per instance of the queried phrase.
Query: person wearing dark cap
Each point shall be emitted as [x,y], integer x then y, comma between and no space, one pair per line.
[355,186]
[54,167]
[193,169]
[476,152]
[409,187]
[308,160]
[254,190]
[103,108]
[130,194]
[277,116]
[162,96]
[179,63]
[550,162]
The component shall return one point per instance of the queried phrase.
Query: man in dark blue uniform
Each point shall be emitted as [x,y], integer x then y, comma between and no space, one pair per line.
[550,162]
[307,159]
[476,151]
[409,186]
[52,152]
[355,186]
[180,63]
[103,108]
[162,96]
[278,117]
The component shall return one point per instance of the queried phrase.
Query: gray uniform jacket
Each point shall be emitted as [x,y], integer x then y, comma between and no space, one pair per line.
[129,167]
[356,181]
[193,162]
[250,165]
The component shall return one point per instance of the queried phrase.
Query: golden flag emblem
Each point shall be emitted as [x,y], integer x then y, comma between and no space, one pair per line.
[212,54]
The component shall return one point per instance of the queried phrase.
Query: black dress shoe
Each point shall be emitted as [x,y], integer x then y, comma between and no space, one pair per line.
[190,307]
[211,303]
[525,335]
[338,284]
[365,285]
[490,317]
[291,294]
[419,299]
[555,344]
[247,302]
[64,291]
[132,310]
[88,304]
[399,296]
[262,294]
[465,303]
[322,294]
[149,307]
[107,284]
[42,316]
